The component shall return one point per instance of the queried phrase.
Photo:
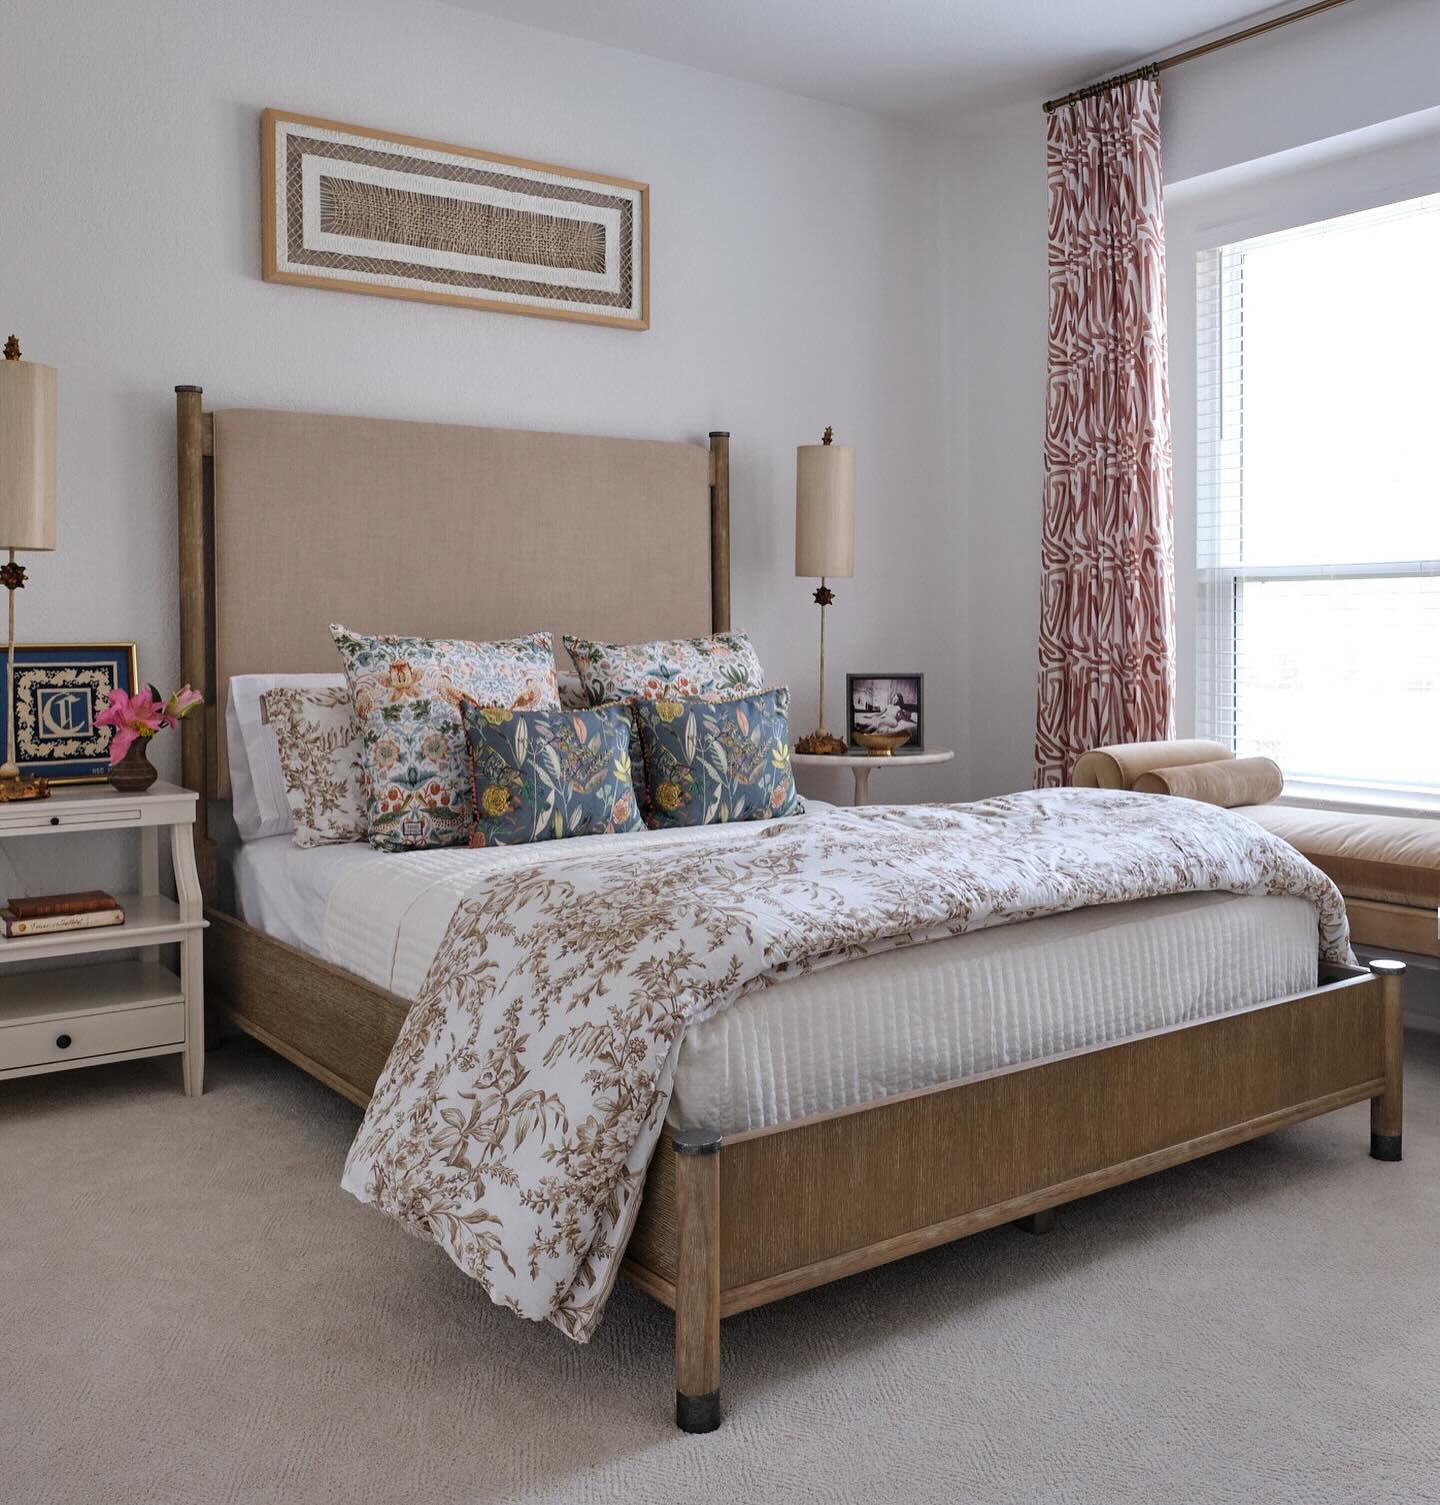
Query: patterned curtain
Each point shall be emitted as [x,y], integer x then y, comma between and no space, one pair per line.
[1107,669]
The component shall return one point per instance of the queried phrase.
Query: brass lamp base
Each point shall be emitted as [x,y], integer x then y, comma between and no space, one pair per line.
[15,786]
[821,742]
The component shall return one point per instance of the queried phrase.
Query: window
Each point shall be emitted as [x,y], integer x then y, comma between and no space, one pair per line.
[1318,492]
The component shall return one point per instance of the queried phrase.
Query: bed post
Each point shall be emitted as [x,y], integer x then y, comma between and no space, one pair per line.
[1386,1111]
[196,732]
[719,530]
[697,1280]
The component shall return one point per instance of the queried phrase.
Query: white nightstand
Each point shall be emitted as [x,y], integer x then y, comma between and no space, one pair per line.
[95,1003]
[862,765]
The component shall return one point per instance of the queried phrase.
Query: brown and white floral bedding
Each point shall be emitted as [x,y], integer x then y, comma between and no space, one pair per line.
[519,1109]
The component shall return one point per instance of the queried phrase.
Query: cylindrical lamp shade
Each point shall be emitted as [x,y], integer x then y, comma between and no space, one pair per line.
[29,403]
[825,511]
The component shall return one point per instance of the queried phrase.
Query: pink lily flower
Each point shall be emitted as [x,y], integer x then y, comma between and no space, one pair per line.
[182,702]
[141,715]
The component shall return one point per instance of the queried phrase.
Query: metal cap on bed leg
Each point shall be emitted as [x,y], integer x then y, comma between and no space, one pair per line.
[697,1413]
[696,1142]
[1386,1110]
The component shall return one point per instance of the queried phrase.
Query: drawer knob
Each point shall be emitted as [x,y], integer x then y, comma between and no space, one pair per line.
[54,820]
[62,1042]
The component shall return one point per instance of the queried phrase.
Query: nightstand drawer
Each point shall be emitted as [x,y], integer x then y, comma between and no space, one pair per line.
[51,815]
[39,1043]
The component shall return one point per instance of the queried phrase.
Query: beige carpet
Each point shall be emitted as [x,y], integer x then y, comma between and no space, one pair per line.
[193,1311]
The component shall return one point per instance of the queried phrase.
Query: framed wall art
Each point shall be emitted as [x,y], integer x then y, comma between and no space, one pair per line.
[881,703]
[59,690]
[366,211]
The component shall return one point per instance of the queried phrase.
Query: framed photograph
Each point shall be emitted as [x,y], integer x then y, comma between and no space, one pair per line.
[59,690]
[886,703]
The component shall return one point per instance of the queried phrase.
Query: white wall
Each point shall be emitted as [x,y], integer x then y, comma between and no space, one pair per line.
[1341,72]
[795,281]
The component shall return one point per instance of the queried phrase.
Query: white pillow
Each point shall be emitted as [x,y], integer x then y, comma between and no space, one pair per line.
[257,786]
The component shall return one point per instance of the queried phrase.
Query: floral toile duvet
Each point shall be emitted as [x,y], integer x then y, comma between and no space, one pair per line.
[518,1111]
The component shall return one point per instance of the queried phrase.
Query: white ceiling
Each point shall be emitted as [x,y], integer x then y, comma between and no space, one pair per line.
[918,59]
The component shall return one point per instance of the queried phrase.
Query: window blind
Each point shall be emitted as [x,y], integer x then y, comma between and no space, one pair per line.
[1318,494]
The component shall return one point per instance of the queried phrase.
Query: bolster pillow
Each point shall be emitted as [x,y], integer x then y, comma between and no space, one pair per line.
[1118,767]
[1228,782]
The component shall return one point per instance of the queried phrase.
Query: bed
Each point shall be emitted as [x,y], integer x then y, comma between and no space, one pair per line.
[834,1122]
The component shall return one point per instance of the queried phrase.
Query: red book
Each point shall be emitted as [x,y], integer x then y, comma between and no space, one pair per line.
[87,902]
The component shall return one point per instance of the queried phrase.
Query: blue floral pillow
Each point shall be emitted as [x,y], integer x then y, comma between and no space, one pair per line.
[708,761]
[543,774]
[707,668]
[408,693]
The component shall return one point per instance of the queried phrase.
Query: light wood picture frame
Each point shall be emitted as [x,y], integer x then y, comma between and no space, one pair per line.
[358,210]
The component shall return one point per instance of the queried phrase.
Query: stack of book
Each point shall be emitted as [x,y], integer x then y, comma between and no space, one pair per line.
[43,914]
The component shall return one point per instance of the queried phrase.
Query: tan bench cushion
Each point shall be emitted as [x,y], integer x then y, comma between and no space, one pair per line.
[1119,766]
[1222,781]
[1389,858]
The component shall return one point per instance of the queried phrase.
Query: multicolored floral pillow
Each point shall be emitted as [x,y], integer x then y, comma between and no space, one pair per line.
[674,668]
[408,693]
[677,668]
[544,774]
[708,761]
[321,760]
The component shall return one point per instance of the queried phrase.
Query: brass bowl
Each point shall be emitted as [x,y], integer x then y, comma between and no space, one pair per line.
[882,744]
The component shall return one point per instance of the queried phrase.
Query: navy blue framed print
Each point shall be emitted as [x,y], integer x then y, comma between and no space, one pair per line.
[60,688]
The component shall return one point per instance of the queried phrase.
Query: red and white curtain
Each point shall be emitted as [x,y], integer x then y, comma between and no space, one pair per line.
[1107,669]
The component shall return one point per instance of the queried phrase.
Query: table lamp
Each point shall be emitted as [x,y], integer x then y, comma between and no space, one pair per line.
[824,544]
[28,406]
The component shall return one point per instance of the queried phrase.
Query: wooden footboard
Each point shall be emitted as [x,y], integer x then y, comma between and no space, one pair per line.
[810,1202]
[329,1022]
[727,1224]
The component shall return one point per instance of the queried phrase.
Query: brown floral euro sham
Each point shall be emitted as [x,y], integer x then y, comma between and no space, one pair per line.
[321,761]
[516,1116]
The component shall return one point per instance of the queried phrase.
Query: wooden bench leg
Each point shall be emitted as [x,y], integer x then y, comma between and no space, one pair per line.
[1037,1222]
[1387,1110]
[697,1280]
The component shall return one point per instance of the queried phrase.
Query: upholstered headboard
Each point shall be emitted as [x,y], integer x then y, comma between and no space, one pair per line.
[291,521]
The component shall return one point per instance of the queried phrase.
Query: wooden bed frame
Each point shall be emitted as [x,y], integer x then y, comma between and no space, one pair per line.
[731,1223]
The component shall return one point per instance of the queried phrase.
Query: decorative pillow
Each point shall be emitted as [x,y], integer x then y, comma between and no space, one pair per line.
[572,693]
[543,774]
[322,761]
[674,668]
[408,693]
[258,799]
[677,668]
[708,761]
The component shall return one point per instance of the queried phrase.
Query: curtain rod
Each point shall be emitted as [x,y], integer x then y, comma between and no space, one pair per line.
[1151,70]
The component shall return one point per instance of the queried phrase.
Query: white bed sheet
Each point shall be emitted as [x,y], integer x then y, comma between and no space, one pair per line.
[889,1023]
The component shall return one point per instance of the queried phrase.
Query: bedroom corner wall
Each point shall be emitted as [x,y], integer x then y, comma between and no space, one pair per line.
[1338,73]
[795,276]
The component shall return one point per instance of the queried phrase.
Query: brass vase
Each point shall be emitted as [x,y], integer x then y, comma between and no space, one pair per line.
[134,773]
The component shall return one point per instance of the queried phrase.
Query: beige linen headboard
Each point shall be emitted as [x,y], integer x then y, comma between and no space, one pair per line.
[291,521]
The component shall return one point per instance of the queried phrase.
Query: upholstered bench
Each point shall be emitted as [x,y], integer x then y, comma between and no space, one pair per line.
[1387,866]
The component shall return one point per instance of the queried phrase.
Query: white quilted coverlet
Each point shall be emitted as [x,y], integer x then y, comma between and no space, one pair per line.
[884,1024]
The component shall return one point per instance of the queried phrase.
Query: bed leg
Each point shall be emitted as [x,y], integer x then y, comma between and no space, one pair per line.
[1386,1111]
[697,1280]
[1037,1222]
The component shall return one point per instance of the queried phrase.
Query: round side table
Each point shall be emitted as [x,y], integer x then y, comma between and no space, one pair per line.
[862,764]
